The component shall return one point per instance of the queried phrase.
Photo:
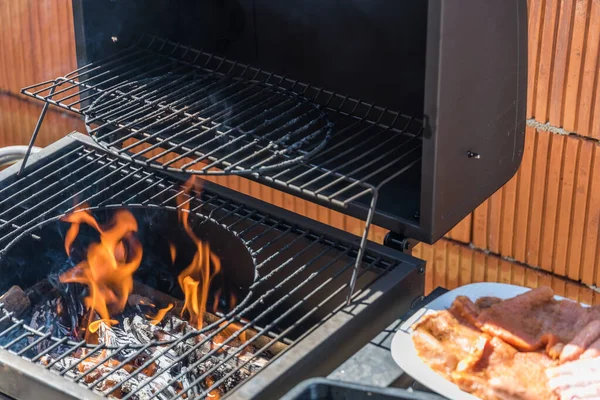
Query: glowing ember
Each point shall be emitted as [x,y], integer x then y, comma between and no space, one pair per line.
[213,394]
[109,266]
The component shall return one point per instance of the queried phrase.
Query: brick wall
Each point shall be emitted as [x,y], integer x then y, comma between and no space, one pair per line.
[542,227]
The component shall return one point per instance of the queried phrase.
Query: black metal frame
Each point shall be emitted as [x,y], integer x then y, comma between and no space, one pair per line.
[381,296]
[460,67]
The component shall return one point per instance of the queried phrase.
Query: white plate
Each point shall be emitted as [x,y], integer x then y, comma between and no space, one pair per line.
[405,354]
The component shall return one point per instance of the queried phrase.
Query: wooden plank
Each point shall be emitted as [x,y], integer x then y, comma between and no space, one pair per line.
[559,286]
[453,265]
[462,231]
[492,269]
[586,296]
[591,249]
[573,291]
[518,274]
[509,200]
[536,21]
[4,56]
[531,278]
[547,51]
[439,264]
[575,64]
[591,73]
[524,198]
[545,280]
[479,267]
[505,272]
[579,210]
[480,226]
[559,68]
[536,206]
[551,202]
[596,113]
[465,275]
[565,204]
[494,231]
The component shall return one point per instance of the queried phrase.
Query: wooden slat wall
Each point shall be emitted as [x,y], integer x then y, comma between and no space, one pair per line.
[36,42]
[542,227]
[564,64]
[19,116]
[452,264]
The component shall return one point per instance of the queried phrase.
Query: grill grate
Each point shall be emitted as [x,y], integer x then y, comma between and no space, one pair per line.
[333,149]
[162,104]
[84,175]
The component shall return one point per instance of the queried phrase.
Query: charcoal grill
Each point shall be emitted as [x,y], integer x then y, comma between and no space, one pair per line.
[413,116]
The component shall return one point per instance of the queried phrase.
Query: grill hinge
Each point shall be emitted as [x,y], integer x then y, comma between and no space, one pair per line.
[400,242]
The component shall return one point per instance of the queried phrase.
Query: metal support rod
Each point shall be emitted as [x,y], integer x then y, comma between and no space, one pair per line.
[363,245]
[36,131]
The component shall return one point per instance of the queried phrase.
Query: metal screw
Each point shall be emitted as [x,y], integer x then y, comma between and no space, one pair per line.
[421,270]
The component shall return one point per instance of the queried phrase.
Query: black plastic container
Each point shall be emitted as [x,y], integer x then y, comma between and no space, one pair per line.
[326,389]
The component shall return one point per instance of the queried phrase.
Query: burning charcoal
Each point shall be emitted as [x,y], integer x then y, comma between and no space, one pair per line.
[44,317]
[15,300]
[107,336]
[139,328]
[162,298]
[142,304]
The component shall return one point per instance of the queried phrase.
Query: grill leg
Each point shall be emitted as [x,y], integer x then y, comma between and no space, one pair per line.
[363,245]
[36,131]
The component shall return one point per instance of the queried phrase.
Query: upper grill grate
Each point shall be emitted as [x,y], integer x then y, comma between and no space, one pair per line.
[168,106]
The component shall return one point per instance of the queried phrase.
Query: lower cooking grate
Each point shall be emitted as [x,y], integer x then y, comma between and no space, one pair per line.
[301,277]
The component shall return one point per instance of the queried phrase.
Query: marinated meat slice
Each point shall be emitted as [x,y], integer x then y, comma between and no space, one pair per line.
[581,342]
[517,377]
[555,350]
[436,355]
[476,362]
[511,319]
[534,319]
[487,302]
[463,307]
[564,319]
[457,336]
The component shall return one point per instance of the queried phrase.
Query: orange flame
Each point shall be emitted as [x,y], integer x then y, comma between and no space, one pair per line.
[159,315]
[109,266]
[94,326]
[195,280]
[173,251]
